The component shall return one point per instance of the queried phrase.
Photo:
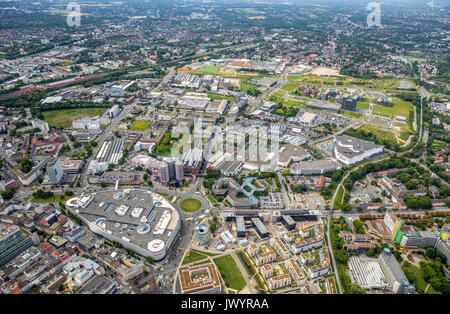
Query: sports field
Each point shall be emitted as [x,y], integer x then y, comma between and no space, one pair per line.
[209,69]
[64,117]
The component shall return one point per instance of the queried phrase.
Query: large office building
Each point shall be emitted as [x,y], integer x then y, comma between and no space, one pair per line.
[166,171]
[367,273]
[320,166]
[288,222]
[419,239]
[351,150]
[199,279]
[13,241]
[140,220]
[260,228]
[394,274]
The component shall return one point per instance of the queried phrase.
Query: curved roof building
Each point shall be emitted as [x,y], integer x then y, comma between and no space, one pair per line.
[140,220]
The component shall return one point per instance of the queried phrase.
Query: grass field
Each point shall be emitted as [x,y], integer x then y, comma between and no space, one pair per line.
[287,102]
[278,94]
[352,114]
[190,205]
[193,256]
[362,105]
[380,134]
[209,69]
[230,272]
[289,87]
[245,87]
[140,125]
[399,108]
[64,117]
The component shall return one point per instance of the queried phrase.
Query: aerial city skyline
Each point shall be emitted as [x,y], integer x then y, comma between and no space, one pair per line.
[224,147]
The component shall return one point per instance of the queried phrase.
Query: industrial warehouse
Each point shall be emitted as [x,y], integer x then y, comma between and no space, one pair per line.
[140,220]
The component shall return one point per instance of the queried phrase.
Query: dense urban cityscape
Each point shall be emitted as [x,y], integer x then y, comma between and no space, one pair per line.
[224,147]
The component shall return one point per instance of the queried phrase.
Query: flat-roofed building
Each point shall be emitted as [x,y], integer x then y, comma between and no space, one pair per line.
[315,166]
[252,249]
[279,281]
[199,279]
[288,222]
[367,273]
[308,118]
[291,153]
[240,226]
[260,228]
[295,271]
[13,241]
[278,244]
[266,271]
[393,273]
[265,258]
[351,150]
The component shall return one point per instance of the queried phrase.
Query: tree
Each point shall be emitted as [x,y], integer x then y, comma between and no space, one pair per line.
[213,227]
[358,226]
[341,256]
[8,194]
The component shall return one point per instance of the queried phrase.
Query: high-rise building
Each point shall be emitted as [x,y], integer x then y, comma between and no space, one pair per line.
[164,172]
[171,164]
[201,234]
[55,172]
[179,171]
[394,274]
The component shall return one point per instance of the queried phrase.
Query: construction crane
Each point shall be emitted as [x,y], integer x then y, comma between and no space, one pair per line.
[307,198]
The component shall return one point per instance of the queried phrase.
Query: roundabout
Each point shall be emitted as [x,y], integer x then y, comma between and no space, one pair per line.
[190,205]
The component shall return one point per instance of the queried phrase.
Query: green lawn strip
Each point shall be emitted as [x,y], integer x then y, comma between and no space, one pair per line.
[339,196]
[220,97]
[53,199]
[204,253]
[193,256]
